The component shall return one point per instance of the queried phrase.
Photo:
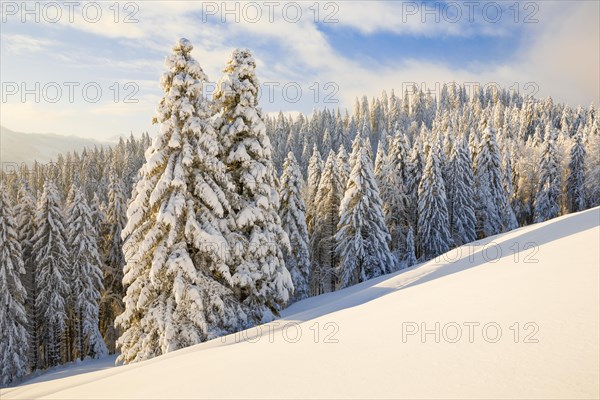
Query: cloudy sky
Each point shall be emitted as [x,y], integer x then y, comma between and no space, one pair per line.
[92,69]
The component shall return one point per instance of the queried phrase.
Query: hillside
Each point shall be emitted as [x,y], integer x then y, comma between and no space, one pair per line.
[542,277]
[18,147]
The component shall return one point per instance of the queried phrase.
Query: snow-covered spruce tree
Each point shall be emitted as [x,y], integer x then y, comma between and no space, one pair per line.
[112,296]
[86,279]
[278,138]
[592,164]
[362,235]
[322,242]
[98,216]
[517,201]
[132,164]
[350,133]
[14,340]
[414,172]
[433,228]
[327,144]
[315,168]
[446,140]
[461,204]
[179,288]
[392,182]
[409,258]
[417,106]
[70,198]
[490,196]
[576,175]
[367,133]
[261,281]
[25,219]
[99,221]
[116,218]
[509,218]
[343,166]
[547,197]
[381,155]
[305,154]
[293,219]
[70,337]
[52,263]
[474,141]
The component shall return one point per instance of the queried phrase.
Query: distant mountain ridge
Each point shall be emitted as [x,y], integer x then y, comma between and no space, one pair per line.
[19,147]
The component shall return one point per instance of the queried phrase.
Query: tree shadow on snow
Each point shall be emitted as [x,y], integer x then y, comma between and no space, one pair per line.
[460,259]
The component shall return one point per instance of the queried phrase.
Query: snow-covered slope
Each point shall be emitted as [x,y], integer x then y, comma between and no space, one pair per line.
[543,277]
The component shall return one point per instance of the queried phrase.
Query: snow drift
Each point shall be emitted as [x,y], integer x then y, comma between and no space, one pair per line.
[514,315]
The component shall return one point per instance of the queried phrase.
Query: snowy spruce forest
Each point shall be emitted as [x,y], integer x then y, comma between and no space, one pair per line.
[227,216]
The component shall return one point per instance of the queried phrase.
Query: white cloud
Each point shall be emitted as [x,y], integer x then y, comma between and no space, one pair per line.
[560,54]
[401,17]
[564,55]
[23,44]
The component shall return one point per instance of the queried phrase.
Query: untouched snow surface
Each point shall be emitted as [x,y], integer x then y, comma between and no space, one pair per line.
[365,345]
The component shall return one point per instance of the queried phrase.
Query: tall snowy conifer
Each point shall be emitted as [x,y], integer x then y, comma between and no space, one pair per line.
[433,226]
[490,196]
[86,278]
[547,198]
[25,218]
[381,155]
[461,204]
[14,340]
[592,162]
[576,175]
[261,281]
[362,235]
[179,287]
[293,219]
[509,218]
[112,295]
[343,166]
[414,172]
[409,258]
[315,168]
[392,181]
[322,241]
[53,265]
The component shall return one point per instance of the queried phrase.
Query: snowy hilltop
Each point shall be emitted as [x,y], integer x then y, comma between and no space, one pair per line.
[511,316]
